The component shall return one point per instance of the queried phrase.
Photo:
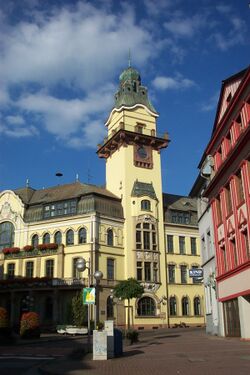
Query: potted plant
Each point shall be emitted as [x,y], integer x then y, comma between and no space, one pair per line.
[29,326]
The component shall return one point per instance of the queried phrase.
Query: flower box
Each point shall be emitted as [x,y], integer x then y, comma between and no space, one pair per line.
[28,248]
[47,246]
[11,250]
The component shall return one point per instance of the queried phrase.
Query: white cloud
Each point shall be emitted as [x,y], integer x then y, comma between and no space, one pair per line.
[185,27]
[4,95]
[79,47]
[155,9]
[170,83]
[64,118]
[18,131]
[15,120]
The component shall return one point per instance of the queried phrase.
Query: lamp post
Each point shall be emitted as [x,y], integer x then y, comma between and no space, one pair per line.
[81,265]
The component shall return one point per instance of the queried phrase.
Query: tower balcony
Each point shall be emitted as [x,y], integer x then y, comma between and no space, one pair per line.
[125,135]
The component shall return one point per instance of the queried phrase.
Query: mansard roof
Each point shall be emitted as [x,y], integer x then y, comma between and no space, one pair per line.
[60,192]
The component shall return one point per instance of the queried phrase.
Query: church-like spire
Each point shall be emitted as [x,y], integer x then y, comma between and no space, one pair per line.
[131,91]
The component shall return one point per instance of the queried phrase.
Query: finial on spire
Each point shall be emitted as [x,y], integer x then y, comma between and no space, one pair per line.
[27,182]
[77,177]
[129,58]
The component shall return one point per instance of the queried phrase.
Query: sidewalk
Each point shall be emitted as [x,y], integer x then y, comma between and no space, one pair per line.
[184,352]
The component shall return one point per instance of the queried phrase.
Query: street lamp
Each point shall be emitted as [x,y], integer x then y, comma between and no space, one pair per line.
[81,265]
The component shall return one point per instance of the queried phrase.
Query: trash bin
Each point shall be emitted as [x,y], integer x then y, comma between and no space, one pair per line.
[118,345]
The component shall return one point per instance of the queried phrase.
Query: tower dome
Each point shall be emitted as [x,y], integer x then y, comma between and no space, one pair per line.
[128,75]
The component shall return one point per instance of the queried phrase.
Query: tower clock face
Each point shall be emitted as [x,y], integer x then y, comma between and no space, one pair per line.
[142,152]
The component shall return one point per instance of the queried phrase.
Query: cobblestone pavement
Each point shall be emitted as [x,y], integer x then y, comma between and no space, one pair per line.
[182,352]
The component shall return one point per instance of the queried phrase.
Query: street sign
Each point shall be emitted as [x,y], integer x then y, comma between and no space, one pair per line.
[196,272]
[88,296]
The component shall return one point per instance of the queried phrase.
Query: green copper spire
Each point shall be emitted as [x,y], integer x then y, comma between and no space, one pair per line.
[131,91]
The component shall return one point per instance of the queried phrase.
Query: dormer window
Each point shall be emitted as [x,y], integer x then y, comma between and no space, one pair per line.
[145,205]
[60,209]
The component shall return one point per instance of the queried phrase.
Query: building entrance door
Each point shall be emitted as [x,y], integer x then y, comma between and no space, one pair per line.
[231,318]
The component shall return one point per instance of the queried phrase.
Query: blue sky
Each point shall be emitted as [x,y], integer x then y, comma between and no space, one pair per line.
[60,63]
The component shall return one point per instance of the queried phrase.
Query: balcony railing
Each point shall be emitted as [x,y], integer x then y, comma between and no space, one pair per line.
[134,129]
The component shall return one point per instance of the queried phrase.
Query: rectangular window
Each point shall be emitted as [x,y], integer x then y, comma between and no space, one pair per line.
[146,240]
[170,243]
[29,269]
[110,269]
[139,271]
[193,246]
[138,239]
[246,244]
[218,207]
[240,191]
[196,280]
[60,208]
[234,251]
[180,217]
[155,272]
[147,271]
[171,273]
[224,257]
[182,245]
[228,199]
[11,270]
[184,274]
[49,268]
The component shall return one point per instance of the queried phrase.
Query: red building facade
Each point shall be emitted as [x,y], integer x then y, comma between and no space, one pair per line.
[229,195]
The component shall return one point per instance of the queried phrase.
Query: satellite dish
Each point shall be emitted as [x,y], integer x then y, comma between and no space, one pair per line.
[59,174]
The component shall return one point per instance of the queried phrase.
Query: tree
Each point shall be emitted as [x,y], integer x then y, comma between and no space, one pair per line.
[128,289]
[79,310]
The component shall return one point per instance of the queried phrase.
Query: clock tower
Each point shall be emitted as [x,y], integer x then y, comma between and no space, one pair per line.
[132,150]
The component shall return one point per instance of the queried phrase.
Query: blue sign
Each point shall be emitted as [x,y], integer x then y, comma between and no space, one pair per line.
[196,272]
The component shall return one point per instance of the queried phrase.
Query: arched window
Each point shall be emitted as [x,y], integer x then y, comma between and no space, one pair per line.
[82,235]
[7,234]
[145,205]
[185,306]
[46,238]
[58,238]
[110,237]
[197,306]
[110,308]
[146,307]
[172,306]
[34,240]
[70,237]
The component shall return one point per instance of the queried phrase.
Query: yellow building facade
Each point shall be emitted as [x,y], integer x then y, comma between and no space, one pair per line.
[185,293]
[120,230]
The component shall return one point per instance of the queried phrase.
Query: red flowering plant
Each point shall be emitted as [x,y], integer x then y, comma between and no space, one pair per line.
[29,326]
[28,248]
[11,250]
[47,246]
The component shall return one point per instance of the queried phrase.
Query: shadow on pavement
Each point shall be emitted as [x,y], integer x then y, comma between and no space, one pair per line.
[131,353]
